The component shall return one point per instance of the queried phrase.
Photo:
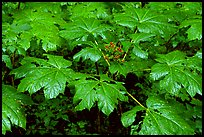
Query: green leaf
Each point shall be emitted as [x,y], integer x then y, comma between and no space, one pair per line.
[137,37]
[162,6]
[160,69]
[192,8]
[106,94]
[83,27]
[191,81]
[89,10]
[126,45]
[7,60]
[174,67]
[120,67]
[25,39]
[86,53]
[50,75]
[129,117]
[165,118]
[146,20]
[20,28]
[85,91]
[195,31]
[43,26]
[195,62]
[139,52]
[11,109]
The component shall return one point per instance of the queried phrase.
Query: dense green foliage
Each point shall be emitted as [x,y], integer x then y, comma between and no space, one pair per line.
[102,68]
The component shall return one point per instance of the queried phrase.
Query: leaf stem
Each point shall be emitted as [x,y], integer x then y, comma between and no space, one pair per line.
[148,69]
[136,100]
[125,55]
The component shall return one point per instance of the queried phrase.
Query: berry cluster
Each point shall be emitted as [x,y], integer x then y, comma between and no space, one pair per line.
[114,52]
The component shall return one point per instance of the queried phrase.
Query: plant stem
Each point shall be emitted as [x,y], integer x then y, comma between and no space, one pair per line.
[136,100]
[19,5]
[98,121]
[97,70]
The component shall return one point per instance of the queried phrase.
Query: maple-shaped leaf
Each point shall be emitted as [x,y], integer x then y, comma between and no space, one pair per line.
[49,74]
[89,91]
[35,21]
[128,117]
[195,31]
[172,68]
[146,20]
[12,113]
[83,27]
[165,118]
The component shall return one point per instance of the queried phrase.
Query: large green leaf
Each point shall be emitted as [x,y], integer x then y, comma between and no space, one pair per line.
[86,53]
[165,118]
[177,74]
[146,20]
[83,27]
[92,90]
[50,75]
[129,117]
[11,109]
[41,24]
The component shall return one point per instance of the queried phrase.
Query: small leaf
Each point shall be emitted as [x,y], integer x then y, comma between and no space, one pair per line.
[116,66]
[7,60]
[129,117]
[141,37]
[139,52]
[195,31]
[86,53]
[160,69]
